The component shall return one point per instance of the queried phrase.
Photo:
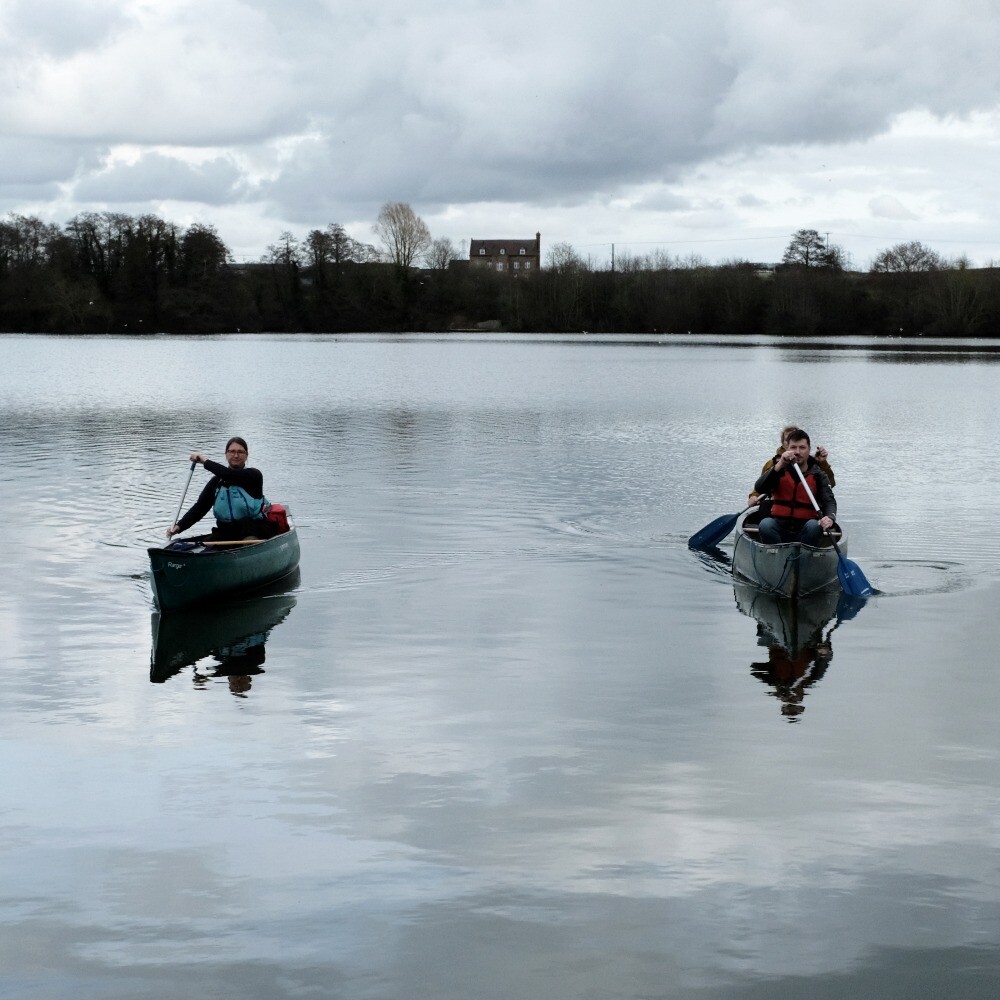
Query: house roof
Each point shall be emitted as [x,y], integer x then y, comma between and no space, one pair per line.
[511,248]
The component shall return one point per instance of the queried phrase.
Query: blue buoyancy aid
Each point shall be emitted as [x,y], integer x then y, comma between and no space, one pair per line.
[233,503]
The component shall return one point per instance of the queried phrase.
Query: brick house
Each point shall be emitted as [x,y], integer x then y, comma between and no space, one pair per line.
[514,256]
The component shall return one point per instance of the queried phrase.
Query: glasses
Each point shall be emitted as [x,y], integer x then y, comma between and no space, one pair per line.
[235,451]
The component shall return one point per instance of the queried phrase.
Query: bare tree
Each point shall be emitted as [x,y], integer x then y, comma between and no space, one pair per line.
[402,232]
[342,248]
[318,249]
[440,253]
[907,258]
[287,252]
[563,257]
[26,241]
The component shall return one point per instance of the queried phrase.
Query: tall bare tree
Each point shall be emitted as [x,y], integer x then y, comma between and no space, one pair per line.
[907,258]
[403,233]
[563,257]
[440,253]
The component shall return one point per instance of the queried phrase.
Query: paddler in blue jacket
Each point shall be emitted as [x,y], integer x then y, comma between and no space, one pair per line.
[793,517]
[234,493]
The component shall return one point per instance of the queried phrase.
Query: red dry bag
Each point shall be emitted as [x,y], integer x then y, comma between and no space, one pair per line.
[278,516]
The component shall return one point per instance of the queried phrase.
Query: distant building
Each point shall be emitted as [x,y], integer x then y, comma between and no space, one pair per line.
[514,256]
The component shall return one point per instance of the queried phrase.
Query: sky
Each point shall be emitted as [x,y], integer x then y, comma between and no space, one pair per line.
[714,129]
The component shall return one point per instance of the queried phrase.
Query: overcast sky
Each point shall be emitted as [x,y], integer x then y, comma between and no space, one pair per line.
[714,128]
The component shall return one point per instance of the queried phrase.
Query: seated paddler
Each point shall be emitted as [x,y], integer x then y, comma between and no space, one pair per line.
[793,517]
[235,494]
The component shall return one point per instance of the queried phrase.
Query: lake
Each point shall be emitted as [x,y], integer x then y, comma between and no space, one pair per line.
[505,736]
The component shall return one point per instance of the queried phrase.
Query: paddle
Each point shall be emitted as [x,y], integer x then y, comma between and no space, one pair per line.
[180,506]
[852,579]
[713,533]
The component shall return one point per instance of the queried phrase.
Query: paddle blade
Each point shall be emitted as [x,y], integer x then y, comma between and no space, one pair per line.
[852,579]
[848,607]
[713,533]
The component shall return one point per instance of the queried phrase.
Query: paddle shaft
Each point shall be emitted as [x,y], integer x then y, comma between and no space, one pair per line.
[812,500]
[852,579]
[180,506]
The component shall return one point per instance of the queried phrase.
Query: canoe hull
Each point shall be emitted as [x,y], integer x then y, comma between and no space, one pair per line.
[185,579]
[182,638]
[788,569]
[792,623]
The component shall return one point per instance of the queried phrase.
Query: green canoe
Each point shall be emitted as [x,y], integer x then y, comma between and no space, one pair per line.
[184,577]
[231,632]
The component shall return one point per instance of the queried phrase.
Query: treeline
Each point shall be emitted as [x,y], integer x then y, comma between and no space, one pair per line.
[114,273]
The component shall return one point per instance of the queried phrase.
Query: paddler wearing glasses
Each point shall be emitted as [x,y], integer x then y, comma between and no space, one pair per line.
[235,494]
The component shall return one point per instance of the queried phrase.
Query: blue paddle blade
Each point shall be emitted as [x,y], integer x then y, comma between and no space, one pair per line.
[713,533]
[852,579]
[848,606]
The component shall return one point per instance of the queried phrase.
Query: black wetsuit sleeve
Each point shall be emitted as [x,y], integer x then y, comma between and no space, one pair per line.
[251,480]
[201,506]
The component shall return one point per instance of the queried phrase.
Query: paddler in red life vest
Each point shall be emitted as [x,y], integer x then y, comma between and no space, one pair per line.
[822,456]
[793,517]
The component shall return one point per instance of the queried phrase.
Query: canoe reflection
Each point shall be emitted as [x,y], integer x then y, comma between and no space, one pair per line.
[233,635]
[799,648]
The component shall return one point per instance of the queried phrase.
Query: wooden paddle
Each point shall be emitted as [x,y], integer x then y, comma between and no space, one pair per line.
[852,579]
[240,541]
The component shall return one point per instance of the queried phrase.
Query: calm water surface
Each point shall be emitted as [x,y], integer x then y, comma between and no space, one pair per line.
[506,736]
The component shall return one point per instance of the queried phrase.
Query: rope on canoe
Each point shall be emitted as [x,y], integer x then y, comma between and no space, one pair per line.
[781,582]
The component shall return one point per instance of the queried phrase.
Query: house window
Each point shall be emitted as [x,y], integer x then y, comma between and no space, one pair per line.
[482,252]
[517,264]
[502,251]
[527,265]
[521,251]
[500,266]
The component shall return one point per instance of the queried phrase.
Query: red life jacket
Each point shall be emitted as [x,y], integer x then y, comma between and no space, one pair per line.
[790,499]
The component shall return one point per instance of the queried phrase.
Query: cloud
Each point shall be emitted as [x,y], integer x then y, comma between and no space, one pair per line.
[28,161]
[885,206]
[174,72]
[841,72]
[309,111]
[58,28]
[213,182]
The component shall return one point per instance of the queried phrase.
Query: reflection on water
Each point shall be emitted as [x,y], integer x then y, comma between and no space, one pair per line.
[799,644]
[234,635]
[506,743]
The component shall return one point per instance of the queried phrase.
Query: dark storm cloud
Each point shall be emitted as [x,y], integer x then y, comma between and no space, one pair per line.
[328,109]
[553,109]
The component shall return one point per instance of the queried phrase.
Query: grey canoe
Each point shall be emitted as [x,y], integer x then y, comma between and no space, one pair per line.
[185,578]
[788,569]
[792,623]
